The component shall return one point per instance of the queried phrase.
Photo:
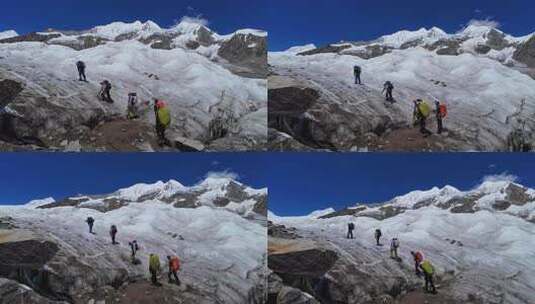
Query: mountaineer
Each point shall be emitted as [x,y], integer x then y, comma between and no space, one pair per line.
[105,91]
[90,221]
[154,268]
[113,233]
[80,65]
[163,120]
[357,71]
[350,228]
[394,245]
[421,112]
[174,267]
[388,87]
[378,235]
[428,270]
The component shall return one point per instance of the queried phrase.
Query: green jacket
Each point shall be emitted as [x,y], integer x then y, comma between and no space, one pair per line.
[427,267]
[164,116]
[154,263]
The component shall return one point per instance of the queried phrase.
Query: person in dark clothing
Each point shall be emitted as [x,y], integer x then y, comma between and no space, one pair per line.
[439,116]
[350,228]
[357,71]
[105,91]
[80,65]
[378,235]
[174,266]
[388,87]
[113,233]
[90,221]
[134,248]
[420,118]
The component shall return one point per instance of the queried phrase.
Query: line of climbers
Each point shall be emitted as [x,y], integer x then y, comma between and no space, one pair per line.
[422,109]
[161,111]
[173,262]
[421,265]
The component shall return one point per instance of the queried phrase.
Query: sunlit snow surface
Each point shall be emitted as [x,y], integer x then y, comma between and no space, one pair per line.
[496,252]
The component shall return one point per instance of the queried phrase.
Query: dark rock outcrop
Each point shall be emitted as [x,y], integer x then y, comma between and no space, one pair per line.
[325,49]
[248,51]
[32,37]
[526,53]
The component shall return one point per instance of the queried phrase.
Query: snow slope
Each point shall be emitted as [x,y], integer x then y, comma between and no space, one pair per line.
[222,252]
[8,34]
[486,99]
[485,253]
[198,85]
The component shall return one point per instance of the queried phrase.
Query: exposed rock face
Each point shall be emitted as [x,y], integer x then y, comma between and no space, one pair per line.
[370,51]
[446,47]
[496,40]
[247,51]
[526,53]
[517,195]
[32,37]
[325,49]
[14,292]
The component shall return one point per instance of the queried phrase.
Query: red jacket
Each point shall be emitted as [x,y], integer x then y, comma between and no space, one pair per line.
[174,264]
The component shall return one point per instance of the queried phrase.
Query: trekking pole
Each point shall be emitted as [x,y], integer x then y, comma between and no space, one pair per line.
[431,95]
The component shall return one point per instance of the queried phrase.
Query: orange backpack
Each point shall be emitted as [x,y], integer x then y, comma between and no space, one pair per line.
[443,110]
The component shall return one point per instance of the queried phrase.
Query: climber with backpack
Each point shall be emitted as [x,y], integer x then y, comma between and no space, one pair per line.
[350,228]
[80,65]
[131,110]
[134,248]
[163,120]
[154,268]
[394,245]
[105,91]
[428,271]
[357,71]
[90,221]
[421,112]
[174,267]
[418,258]
[113,233]
[441,112]
[378,235]
[388,87]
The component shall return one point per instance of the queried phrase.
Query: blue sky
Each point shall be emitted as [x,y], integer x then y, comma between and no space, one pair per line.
[289,23]
[298,183]
[302,183]
[224,16]
[27,176]
[299,22]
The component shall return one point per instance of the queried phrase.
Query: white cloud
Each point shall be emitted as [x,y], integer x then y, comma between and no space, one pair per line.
[215,163]
[503,177]
[223,174]
[197,20]
[485,22]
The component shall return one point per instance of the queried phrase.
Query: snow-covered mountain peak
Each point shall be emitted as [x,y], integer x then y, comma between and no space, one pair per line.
[477,30]
[494,186]
[115,29]
[397,39]
[217,181]
[187,26]
[8,34]
[39,202]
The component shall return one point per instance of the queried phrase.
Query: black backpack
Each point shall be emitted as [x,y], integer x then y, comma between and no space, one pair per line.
[90,220]
[378,232]
[351,226]
[389,85]
[357,69]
